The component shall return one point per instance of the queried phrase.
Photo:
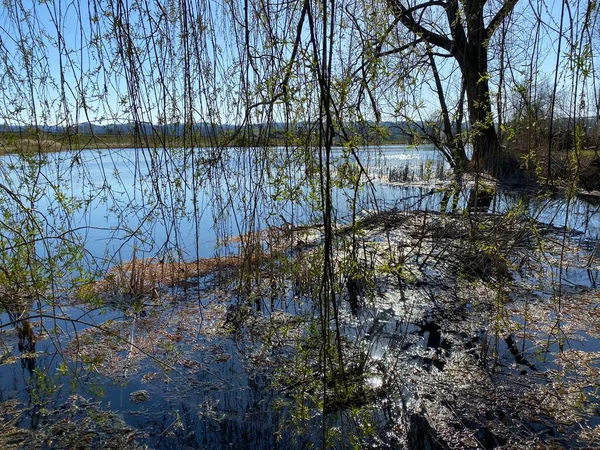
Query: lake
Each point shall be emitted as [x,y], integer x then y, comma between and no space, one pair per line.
[165,370]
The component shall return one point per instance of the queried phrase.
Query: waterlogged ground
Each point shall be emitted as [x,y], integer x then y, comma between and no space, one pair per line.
[460,324]
[452,334]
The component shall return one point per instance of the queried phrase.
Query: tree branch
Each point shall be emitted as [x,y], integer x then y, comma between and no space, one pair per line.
[399,49]
[403,15]
[288,70]
[439,3]
[507,7]
[456,28]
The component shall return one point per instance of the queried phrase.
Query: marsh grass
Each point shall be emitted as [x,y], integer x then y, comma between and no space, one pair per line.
[146,277]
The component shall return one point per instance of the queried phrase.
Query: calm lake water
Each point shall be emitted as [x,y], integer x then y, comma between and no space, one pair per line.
[157,202]
[163,204]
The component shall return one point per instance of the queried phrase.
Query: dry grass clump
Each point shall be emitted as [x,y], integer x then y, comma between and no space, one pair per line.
[143,277]
[30,146]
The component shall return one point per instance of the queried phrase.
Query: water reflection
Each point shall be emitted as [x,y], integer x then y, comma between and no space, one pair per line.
[153,201]
[215,391]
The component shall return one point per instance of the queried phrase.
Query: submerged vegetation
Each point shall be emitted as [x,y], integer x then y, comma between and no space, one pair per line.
[238,260]
[462,332]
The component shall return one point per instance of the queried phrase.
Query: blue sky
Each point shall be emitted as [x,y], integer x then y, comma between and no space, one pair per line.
[66,62]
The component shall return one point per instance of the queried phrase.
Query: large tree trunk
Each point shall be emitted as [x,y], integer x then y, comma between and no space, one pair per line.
[467,42]
[486,147]
[488,155]
[471,54]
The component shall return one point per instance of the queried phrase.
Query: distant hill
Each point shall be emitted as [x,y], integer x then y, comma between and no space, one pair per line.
[173,129]
[395,130]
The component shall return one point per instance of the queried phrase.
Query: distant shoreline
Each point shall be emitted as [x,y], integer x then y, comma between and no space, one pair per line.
[28,143]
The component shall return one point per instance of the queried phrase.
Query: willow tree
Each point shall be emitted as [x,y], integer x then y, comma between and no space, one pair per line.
[463,35]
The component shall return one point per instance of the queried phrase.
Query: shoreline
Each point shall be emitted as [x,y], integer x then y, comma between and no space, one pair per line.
[18,142]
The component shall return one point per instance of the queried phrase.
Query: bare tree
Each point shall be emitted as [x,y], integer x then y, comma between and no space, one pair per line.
[465,37]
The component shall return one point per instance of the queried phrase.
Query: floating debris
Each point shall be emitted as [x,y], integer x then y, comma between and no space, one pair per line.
[139,396]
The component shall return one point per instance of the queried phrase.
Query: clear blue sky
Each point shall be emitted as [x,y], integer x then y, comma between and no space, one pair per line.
[63,61]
